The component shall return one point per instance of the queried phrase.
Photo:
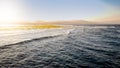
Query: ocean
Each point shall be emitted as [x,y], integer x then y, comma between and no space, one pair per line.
[89,46]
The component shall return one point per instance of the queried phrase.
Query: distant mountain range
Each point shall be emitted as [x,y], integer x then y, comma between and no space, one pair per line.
[107,20]
[110,20]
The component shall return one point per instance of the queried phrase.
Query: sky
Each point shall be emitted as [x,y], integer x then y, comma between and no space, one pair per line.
[49,10]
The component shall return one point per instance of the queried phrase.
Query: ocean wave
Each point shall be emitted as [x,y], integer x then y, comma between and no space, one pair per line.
[79,47]
[27,41]
[30,34]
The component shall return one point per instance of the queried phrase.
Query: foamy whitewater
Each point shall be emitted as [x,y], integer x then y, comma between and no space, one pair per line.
[76,47]
[16,36]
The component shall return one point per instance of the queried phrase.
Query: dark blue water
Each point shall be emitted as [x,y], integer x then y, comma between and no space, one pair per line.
[84,47]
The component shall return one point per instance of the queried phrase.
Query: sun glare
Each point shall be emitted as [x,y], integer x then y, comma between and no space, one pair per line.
[9,12]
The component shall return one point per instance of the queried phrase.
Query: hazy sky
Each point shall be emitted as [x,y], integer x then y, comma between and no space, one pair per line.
[67,9]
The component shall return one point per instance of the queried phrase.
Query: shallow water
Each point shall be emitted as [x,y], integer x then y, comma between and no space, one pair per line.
[16,36]
[82,47]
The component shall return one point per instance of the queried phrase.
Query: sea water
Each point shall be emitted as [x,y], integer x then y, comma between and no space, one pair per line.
[81,47]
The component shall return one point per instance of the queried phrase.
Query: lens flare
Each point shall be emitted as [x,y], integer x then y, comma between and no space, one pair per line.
[9,12]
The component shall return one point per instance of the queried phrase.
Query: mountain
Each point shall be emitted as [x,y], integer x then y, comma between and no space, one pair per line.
[106,20]
[66,22]
[110,20]
[72,22]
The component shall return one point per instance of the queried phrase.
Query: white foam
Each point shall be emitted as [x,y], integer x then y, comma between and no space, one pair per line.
[11,37]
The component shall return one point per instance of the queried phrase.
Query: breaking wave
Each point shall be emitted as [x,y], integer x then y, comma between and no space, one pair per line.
[80,47]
